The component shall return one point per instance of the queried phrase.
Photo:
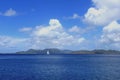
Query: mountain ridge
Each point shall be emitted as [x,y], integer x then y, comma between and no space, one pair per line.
[65,51]
[59,51]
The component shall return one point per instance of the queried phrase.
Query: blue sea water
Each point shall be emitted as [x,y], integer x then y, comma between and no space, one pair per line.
[60,67]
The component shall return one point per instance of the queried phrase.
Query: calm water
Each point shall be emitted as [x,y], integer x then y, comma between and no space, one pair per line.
[60,67]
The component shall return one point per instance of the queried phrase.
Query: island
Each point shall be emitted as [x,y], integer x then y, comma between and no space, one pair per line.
[59,51]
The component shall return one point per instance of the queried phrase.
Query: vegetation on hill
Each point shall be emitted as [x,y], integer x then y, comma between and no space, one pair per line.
[58,51]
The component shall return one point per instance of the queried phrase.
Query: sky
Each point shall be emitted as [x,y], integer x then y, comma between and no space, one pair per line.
[74,24]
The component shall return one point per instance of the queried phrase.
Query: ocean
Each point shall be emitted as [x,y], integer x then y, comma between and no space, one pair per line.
[60,67]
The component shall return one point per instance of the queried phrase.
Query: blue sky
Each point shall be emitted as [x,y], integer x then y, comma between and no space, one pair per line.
[37,12]
[39,24]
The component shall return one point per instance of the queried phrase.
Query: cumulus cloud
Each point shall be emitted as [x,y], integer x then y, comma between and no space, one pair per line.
[25,29]
[9,12]
[12,44]
[40,37]
[80,30]
[54,35]
[74,16]
[111,35]
[6,41]
[103,12]
[75,29]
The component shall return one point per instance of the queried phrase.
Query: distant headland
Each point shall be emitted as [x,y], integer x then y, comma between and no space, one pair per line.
[59,51]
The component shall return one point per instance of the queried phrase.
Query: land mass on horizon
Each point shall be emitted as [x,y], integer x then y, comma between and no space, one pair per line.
[59,51]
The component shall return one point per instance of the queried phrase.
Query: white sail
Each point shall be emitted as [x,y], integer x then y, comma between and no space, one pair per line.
[48,52]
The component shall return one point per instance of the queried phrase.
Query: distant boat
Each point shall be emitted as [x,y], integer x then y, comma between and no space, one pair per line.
[48,52]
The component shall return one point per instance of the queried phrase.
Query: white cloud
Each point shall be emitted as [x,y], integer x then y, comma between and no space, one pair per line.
[80,30]
[25,29]
[75,29]
[11,44]
[9,12]
[54,35]
[112,27]
[6,41]
[104,12]
[74,16]
[51,36]
[111,35]
[49,31]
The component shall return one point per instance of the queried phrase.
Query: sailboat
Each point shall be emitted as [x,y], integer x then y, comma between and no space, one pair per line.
[48,52]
